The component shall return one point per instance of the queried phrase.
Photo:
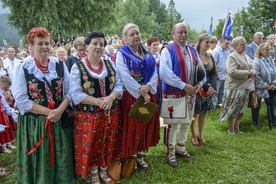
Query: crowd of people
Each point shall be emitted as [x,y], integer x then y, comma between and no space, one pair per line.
[97,80]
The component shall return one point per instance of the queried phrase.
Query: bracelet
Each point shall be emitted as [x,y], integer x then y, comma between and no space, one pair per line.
[112,97]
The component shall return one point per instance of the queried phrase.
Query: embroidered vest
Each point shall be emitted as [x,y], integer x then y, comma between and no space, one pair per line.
[37,89]
[91,86]
[170,90]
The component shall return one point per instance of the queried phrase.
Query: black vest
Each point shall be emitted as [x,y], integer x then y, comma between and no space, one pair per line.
[37,89]
[91,86]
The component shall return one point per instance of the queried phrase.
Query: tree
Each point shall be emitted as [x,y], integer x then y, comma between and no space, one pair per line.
[192,33]
[258,16]
[58,16]
[133,11]
[218,31]
[162,29]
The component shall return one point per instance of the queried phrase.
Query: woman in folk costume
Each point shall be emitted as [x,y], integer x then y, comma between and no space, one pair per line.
[7,136]
[95,88]
[5,84]
[137,69]
[153,45]
[45,149]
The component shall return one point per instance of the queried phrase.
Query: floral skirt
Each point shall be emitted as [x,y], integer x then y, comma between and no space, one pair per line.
[97,140]
[234,102]
[203,104]
[36,168]
[137,136]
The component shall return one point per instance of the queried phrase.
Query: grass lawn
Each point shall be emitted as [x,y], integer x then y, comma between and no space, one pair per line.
[241,158]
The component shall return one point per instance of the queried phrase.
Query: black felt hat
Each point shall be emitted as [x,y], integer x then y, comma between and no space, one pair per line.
[199,74]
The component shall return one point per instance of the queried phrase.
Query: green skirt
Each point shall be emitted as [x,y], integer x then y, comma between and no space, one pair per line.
[36,168]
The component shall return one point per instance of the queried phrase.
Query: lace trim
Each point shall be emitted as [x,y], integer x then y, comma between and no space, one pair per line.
[30,66]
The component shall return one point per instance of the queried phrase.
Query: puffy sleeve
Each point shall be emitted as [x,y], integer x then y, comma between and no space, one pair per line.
[8,110]
[20,93]
[131,85]
[75,89]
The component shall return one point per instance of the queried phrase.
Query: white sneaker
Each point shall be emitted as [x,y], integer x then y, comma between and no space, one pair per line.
[6,150]
[11,146]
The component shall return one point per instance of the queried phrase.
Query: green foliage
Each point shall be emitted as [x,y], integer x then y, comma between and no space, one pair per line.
[78,17]
[258,16]
[218,31]
[192,34]
[58,16]
[154,18]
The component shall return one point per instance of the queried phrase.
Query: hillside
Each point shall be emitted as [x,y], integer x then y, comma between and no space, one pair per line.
[7,32]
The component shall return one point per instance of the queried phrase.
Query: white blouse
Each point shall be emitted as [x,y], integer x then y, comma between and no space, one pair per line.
[76,92]
[131,85]
[8,110]
[20,93]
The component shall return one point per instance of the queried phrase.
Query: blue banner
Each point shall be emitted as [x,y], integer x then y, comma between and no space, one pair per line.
[228,27]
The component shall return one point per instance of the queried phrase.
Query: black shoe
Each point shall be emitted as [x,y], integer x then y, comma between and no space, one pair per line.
[184,154]
[256,124]
[172,160]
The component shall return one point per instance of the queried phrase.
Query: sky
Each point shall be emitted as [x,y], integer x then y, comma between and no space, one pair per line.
[197,13]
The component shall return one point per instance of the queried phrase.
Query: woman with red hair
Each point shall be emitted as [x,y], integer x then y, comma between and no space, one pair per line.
[153,45]
[45,149]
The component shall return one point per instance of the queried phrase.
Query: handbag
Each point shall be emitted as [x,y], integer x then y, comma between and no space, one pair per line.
[253,99]
[114,170]
[177,110]
[68,116]
[128,167]
[143,112]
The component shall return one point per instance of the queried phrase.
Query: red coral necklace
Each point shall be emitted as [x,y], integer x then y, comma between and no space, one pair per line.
[97,71]
[44,69]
